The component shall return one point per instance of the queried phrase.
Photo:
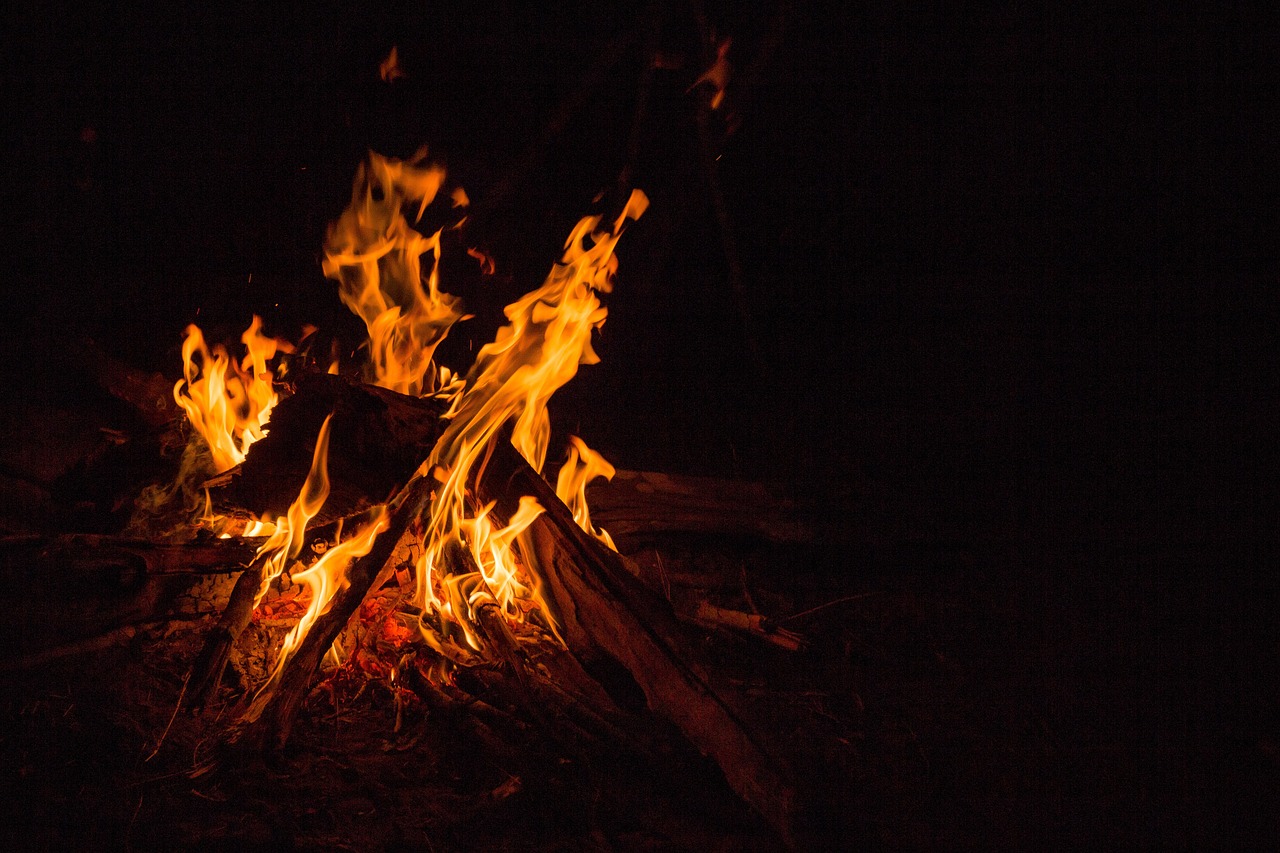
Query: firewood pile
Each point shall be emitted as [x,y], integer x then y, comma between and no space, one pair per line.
[395,535]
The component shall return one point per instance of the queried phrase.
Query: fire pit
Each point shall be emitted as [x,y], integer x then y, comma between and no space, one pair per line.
[380,538]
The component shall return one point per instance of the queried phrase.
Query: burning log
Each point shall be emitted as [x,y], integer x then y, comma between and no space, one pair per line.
[210,664]
[605,609]
[272,720]
[379,439]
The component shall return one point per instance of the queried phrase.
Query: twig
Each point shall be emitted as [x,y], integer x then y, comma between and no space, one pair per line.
[751,623]
[177,706]
[812,610]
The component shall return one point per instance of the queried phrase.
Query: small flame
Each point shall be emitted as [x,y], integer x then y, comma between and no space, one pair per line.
[718,74]
[227,402]
[376,258]
[389,68]
[322,580]
[583,466]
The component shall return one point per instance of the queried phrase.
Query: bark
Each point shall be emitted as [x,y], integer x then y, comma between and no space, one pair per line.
[272,727]
[602,607]
[636,504]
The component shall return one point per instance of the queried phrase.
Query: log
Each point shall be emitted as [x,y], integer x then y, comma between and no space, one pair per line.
[378,439]
[58,590]
[637,504]
[603,608]
[271,727]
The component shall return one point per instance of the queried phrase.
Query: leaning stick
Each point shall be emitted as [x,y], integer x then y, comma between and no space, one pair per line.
[272,727]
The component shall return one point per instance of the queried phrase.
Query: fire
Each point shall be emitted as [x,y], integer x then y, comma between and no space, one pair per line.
[583,466]
[547,338]
[228,402]
[376,256]
[467,560]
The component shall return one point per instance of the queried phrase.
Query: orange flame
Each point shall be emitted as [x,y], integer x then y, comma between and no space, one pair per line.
[286,541]
[389,68]
[376,258]
[583,466]
[227,402]
[549,335]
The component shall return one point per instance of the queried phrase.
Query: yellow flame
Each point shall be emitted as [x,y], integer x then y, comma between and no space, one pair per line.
[228,403]
[582,466]
[287,540]
[377,259]
[548,336]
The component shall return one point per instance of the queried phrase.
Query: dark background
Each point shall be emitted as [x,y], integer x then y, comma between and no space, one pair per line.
[1002,290]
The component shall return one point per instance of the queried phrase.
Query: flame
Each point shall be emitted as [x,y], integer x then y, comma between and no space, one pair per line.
[389,68]
[287,540]
[583,466]
[376,258]
[227,402]
[548,336]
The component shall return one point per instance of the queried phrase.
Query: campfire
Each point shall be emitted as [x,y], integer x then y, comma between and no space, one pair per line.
[393,524]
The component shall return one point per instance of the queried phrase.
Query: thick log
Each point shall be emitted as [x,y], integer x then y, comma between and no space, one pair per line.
[636,504]
[602,607]
[378,439]
[60,590]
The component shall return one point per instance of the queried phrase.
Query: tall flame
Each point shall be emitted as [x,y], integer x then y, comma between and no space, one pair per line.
[548,336]
[376,256]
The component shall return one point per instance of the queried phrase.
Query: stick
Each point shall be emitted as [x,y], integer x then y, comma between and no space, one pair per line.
[272,727]
[604,608]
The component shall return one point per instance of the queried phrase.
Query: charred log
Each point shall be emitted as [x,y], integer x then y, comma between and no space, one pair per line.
[378,440]
[603,608]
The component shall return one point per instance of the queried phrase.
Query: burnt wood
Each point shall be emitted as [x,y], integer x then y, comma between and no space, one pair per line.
[604,608]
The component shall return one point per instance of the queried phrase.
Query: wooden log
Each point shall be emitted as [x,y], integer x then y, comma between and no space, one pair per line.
[378,439]
[271,727]
[58,590]
[637,504]
[602,607]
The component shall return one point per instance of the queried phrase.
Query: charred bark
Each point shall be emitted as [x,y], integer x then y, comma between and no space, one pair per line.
[603,608]
[271,728]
